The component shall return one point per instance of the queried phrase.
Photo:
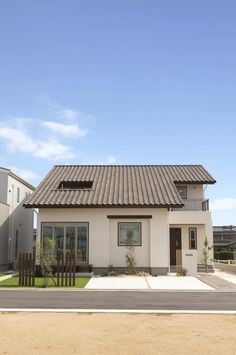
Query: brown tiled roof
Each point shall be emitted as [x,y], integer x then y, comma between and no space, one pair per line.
[117,185]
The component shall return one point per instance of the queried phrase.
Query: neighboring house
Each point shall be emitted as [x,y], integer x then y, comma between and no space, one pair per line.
[93,210]
[16,223]
[224,242]
[224,236]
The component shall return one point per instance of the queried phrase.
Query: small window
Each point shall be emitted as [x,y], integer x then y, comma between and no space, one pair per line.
[18,194]
[192,238]
[129,233]
[182,190]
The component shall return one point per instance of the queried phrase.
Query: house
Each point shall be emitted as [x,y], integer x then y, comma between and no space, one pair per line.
[16,223]
[224,242]
[93,210]
[224,236]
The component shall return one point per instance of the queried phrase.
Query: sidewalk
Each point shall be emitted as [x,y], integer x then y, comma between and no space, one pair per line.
[227,276]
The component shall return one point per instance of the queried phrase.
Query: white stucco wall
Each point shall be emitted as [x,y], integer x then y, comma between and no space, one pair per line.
[4,213]
[20,218]
[103,232]
[194,191]
[103,248]
[159,239]
[142,253]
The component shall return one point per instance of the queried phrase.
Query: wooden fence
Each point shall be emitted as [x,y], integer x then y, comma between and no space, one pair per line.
[178,260]
[65,269]
[26,269]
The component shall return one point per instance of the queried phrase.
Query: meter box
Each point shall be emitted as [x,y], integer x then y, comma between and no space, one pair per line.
[189,261]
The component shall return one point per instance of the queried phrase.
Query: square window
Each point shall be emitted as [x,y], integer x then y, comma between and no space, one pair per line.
[182,190]
[129,233]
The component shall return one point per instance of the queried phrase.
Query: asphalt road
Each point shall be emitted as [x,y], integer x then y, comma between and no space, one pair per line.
[130,300]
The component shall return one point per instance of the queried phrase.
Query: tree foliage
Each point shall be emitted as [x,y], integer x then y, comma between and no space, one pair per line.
[206,254]
[46,256]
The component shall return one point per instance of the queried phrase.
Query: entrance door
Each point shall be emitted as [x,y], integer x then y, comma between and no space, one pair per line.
[175,243]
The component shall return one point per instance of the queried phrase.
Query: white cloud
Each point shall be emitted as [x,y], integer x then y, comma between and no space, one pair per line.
[21,122]
[25,174]
[19,141]
[59,110]
[109,161]
[69,114]
[63,112]
[52,149]
[227,203]
[69,131]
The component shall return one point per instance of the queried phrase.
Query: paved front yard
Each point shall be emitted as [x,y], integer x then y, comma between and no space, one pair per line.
[147,283]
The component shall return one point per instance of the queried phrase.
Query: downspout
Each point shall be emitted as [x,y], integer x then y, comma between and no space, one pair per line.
[12,224]
[168,243]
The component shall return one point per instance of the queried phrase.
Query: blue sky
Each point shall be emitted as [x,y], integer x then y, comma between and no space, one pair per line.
[120,82]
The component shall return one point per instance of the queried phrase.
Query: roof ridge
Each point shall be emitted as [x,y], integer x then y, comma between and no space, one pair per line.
[119,165]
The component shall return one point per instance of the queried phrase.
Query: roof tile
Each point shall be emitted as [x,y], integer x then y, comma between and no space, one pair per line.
[117,185]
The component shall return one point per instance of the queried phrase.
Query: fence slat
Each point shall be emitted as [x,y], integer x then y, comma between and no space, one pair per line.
[65,269]
[26,269]
[178,260]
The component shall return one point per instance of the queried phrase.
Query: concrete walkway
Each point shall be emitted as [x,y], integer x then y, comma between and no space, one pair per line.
[217,282]
[147,283]
[227,276]
[7,276]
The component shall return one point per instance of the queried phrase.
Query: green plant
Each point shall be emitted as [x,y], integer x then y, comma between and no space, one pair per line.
[130,253]
[182,272]
[206,255]
[224,255]
[80,282]
[46,255]
[110,268]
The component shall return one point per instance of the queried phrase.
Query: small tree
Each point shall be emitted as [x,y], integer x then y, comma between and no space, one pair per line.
[130,253]
[206,255]
[46,256]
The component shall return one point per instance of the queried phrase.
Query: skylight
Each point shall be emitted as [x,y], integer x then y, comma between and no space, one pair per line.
[75,185]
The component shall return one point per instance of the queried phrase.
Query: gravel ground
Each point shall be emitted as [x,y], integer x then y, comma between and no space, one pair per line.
[93,333]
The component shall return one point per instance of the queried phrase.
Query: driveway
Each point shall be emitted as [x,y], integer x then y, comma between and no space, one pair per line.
[147,283]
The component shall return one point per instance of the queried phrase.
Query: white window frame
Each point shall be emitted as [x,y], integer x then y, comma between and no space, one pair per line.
[193,229]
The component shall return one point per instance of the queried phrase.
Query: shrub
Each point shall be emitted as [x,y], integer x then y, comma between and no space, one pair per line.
[224,255]
[182,272]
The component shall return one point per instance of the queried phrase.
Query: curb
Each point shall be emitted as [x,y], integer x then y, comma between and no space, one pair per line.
[158,311]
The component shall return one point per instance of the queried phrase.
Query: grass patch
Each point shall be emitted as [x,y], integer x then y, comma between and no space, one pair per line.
[80,282]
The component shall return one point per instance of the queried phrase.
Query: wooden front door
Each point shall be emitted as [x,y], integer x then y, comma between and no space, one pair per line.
[175,243]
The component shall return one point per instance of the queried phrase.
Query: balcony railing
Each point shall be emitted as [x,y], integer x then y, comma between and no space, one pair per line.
[194,205]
